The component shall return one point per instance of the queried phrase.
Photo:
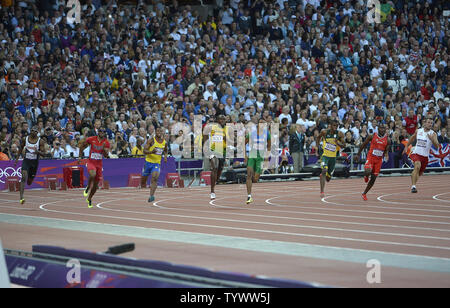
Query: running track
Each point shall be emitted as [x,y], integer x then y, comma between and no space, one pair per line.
[288,232]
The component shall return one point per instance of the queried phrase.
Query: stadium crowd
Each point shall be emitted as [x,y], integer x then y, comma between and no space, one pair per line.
[131,69]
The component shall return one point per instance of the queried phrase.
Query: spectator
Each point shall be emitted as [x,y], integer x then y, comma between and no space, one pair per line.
[410,122]
[138,149]
[57,151]
[297,145]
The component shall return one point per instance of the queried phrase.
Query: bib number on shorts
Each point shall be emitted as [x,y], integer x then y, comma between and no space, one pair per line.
[96,156]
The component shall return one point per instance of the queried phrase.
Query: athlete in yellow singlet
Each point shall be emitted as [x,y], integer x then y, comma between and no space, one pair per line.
[218,144]
[332,140]
[153,151]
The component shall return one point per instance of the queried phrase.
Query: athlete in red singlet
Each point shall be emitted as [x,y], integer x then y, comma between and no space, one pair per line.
[379,147]
[99,148]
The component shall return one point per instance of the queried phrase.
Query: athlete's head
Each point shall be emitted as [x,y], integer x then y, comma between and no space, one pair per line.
[428,123]
[34,131]
[102,133]
[221,120]
[381,129]
[334,125]
[159,132]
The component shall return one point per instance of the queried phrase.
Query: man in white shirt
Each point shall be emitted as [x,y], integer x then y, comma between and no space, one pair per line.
[58,152]
[376,71]
[210,91]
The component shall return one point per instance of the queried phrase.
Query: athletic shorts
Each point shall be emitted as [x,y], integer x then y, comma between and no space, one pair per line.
[374,163]
[328,163]
[423,161]
[149,168]
[218,162]
[31,167]
[97,166]
[255,164]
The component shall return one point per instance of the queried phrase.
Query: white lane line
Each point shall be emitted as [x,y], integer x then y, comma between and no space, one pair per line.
[242,229]
[435,197]
[249,222]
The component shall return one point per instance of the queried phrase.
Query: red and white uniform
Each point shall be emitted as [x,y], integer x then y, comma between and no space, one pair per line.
[96,155]
[422,148]
[376,153]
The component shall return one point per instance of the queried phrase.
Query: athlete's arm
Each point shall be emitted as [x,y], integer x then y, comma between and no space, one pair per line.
[341,140]
[166,152]
[322,133]
[388,148]
[363,146]
[21,151]
[106,149]
[435,141]
[42,151]
[411,140]
[148,145]
[83,145]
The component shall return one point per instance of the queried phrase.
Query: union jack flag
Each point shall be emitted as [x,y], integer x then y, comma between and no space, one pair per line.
[439,158]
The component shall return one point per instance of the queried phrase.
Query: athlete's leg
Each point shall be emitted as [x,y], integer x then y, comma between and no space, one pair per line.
[249,182]
[416,172]
[92,184]
[213,162]
[323,176]
[369,186]
[220,166]
[144,181]
[331,166]
[153,184]
[91,179]
[22,184]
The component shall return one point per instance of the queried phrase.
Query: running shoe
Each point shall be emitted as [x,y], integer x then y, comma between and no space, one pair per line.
[89,202]
[364,197]
[151,199]
[249,200]
[414,190]
[22,201]
[366,179]
[213,196]
[86,192]
[322,195]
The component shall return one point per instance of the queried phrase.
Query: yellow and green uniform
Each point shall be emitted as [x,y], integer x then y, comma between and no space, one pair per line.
[258,147]
[218,140]
[330,149]
[153,160]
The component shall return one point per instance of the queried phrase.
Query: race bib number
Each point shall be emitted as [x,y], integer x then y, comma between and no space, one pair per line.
[259,146]
[330,147]
[377,153]
[159,151]
[30,156]
[96,156]
[217,138]
[421,143]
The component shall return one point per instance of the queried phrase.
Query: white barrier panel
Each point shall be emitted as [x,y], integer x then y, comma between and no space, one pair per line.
[4,276]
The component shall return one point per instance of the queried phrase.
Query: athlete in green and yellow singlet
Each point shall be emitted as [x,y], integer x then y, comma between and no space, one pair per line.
[217,137]
[332,140]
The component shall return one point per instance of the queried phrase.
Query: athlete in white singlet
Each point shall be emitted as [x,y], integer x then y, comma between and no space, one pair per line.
[425,137]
